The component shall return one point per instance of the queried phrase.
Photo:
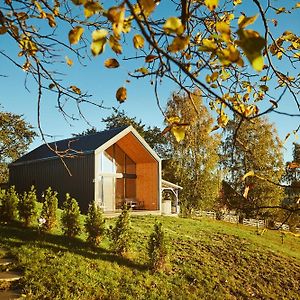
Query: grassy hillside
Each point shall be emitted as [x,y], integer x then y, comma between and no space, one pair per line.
[208,260]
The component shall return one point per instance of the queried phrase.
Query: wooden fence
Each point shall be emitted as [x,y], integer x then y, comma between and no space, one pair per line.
[235,219]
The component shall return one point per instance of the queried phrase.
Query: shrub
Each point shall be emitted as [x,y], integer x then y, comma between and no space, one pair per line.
[70,218]
[9,205]
[95,225]
[121,234]
[48,215]
[27,207]
[157,249]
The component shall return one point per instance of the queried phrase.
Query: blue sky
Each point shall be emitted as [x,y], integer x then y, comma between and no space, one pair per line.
[102,84]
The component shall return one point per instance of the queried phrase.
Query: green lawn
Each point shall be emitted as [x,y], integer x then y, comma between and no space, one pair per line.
[208,260]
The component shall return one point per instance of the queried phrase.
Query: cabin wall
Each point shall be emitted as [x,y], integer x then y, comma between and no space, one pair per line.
[52,172]
[147,186]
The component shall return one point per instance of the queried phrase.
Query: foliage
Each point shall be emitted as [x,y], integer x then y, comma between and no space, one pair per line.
[121,233]
[49,210]
[15,136]
[210,260]
[157,248]
[252,163]
[27,206]
[234,58]
[95,225]
[194,159]
[9,205]
[70,217]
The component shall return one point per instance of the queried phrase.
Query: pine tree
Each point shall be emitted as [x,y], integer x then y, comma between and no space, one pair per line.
[121,234]
[9,205]
[70,217]
[27,207]
[157,249]
[95,225]
[48,215]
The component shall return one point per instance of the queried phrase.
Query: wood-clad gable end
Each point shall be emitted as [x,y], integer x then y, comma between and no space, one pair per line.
[147,171]
[52,172]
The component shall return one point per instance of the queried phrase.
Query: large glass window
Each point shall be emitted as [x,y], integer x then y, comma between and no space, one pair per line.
[114,162]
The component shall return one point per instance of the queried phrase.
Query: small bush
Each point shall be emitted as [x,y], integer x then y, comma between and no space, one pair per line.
[9,205]
[95,225]
[157,249]
[48,215]
[27,207]
[121,236]
[70,218]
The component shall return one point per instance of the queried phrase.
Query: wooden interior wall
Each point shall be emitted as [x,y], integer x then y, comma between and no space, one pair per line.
[147,185]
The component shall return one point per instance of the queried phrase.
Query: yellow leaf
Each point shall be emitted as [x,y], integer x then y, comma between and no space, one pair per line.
[99,41]
[116,15]
[142,70]
[91,8]
[148,6]
[179,43]
[214,76]
[222,120]
[172,120]
[297,5]
[224,29]
[150,58]
[250,173]
[69,61]
[138,41]
[75,34]
[252,44]
[237,2]
[173,25]
[178,132]
[111,63]
[75,89]
[115,45]
[280,10]
[121,94]
[211,4]
[245,21]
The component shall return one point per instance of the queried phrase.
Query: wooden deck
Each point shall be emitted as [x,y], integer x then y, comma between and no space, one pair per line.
[114,214]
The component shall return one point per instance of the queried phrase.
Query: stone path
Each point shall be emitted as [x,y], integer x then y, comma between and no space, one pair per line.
[6,278]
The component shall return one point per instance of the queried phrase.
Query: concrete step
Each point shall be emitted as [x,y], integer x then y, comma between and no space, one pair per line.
[6,261]
[10,276]
[10,295]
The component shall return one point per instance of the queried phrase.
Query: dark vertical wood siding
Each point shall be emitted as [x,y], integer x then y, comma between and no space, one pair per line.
[51,172]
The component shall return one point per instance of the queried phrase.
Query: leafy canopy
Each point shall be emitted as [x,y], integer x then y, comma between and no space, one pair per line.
[236,59]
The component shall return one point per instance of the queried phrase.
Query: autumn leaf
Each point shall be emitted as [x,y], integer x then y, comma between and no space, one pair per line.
[173,25]
[142,70]
[252,44]
[75,89]
[224,29]
[3,30]
[99,41]
[111,63]
[250,173]
[148,6]
[245,21]
[179,43]
[178,132]
[150,58]
[121,94]
[116,16]
[75,35]
[211,4]
[115,45]
[138,41]
[69,61]
[91,8]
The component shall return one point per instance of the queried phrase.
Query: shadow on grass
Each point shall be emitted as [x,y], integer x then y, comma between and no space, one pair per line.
[16,236]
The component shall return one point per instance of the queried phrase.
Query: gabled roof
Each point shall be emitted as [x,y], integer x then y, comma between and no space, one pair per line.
[81,144]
